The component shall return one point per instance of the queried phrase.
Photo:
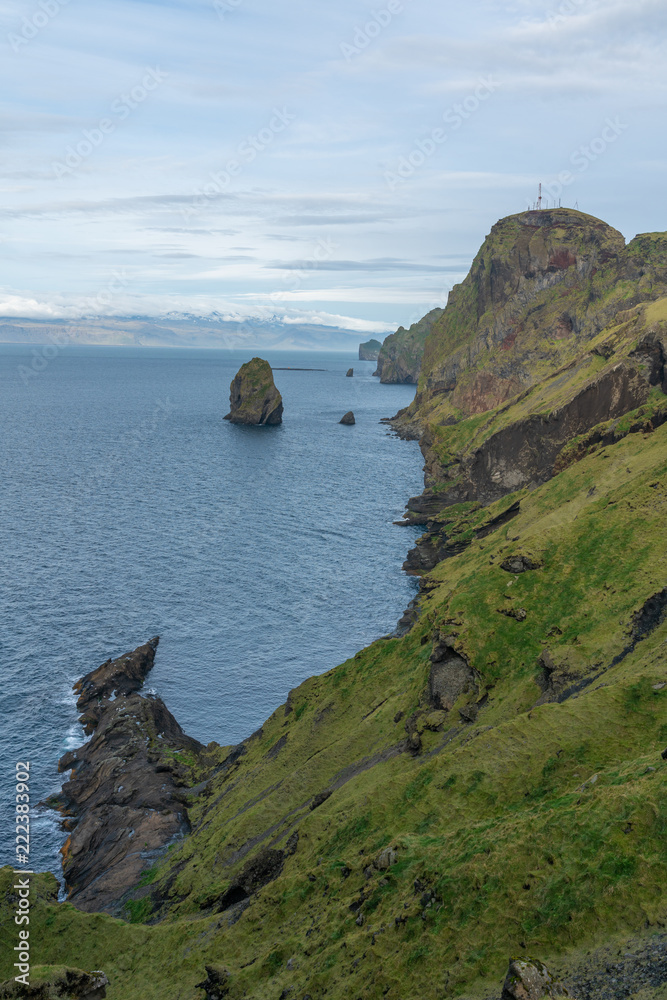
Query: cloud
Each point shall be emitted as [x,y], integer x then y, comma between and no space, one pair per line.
[174,307]
[138,199]
[379,265]
[334,319]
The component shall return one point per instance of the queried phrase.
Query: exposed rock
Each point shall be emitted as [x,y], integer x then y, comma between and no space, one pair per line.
[122,803]
[319,800]
[348,418]
[652,614]
[114,678]
[564,672]
[518,614]
[519,564]
[216,984]
[370,350]
[399,360]
[530,980]
[450,675]
[350,372]
[70,984]
[386,859]
[253,395]
[258,872]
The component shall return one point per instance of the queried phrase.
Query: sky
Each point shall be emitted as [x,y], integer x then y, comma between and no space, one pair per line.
[329,163]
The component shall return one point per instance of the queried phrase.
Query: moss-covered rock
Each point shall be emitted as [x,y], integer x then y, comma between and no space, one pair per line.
[253,395]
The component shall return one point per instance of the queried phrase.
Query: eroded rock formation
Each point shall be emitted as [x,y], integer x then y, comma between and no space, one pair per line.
[121,803]
[253,395]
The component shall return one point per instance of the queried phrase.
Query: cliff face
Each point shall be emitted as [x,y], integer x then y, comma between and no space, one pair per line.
[491,778]
[542,287]
[400,358]
[558,327]
[370,350]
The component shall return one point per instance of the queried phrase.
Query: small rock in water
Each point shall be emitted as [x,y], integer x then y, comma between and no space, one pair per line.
[350,372]
[348,418]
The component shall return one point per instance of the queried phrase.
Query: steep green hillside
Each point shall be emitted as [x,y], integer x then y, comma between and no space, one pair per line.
[492,781]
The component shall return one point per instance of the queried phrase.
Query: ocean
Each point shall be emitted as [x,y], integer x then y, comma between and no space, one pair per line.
[129,508]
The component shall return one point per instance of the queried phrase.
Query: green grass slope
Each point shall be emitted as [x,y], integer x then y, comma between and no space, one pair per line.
[516,824]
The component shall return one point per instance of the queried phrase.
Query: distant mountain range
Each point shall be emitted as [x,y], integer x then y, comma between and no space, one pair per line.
[179,330]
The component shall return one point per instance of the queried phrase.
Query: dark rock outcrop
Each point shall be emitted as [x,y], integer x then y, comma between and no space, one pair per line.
[263,868]
[519,564]
[253,395]
[348,418]
[216,984]
[122,803]
[370,350]
[350,372]
[450,675]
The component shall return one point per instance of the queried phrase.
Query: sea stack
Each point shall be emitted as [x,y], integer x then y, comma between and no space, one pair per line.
[253,396]
[370,350]
[348,418]
[350,372]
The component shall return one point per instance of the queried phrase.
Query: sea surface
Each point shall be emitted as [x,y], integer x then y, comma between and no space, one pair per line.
[129,508]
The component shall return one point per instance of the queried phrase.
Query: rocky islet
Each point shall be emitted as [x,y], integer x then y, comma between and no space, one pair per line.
[254,398]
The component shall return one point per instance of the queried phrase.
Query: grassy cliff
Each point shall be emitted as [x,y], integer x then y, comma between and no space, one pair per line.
[491,782]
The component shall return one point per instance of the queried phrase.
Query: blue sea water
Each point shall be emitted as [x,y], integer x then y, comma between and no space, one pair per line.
[129,508]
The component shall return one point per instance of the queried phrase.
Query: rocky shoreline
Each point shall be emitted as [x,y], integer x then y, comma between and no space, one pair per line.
[123,804]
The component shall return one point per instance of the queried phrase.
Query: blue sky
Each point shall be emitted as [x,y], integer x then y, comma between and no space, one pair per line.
[337,163]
